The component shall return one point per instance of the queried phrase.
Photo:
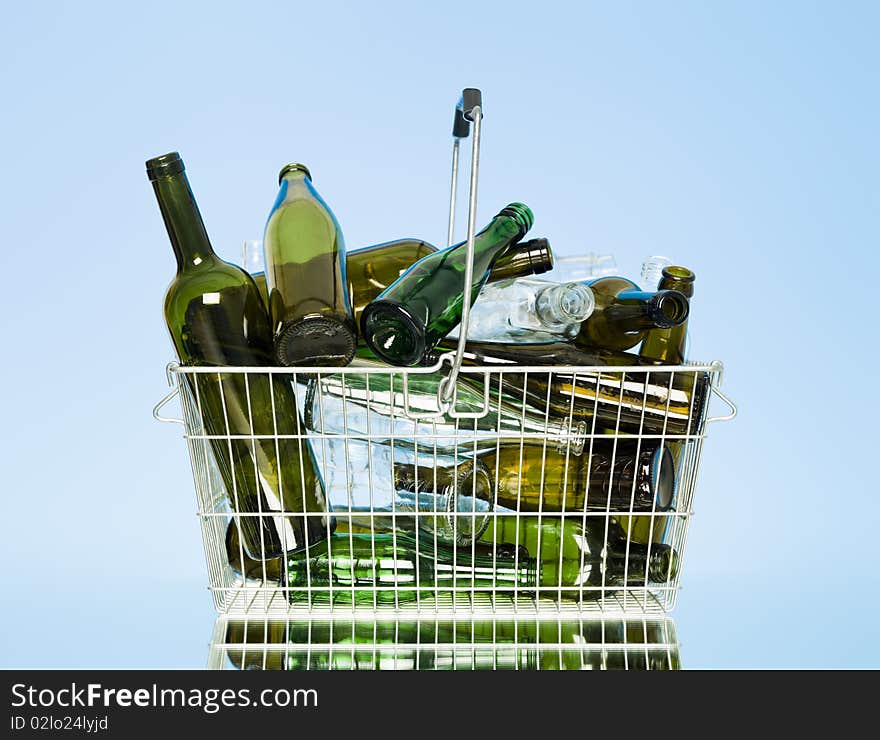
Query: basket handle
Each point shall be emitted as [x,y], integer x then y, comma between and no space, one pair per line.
[730,404]
[461,129]
[170,370]
[471,106]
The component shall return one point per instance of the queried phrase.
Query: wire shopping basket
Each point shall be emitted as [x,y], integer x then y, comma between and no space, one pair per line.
[477,488]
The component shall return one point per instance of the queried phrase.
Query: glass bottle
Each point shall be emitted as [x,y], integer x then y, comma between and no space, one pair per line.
[582,556]
[391,568]
[652,271]
[373,407]
[626,476]
[422,306]
[624,313]
[652,402]
[383,488]
[305,271]
[253,260]
[667,345]
[215,317]
[529,309]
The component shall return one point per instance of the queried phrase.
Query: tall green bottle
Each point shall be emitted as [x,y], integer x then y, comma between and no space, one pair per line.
[654,402]
[390,568]
[216,317]
[609,477]
[577,558]
[624,314]
[420,308]
[666,345]
[305,272]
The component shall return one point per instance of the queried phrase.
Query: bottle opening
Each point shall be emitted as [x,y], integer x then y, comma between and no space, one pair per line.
[164,165]
[576,302]
[678,273]
[669,308]
[293,167]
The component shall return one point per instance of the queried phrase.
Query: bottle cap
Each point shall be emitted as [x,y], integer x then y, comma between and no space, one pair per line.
[164,165]
[668,308]
[316,341]
[293,167]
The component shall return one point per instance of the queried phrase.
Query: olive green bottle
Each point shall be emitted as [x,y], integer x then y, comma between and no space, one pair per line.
[371,270]
[390,568]
[634,402]
[305,271]
[425,303]
[666,345]
[624,313]
[215,316]
[609,477]
[577,558]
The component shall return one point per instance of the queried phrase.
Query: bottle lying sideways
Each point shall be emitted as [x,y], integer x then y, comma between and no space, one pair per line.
[612,476]
[425,303]
[575,559]
[643,401]
[384,488]
[529,309]
[372,406]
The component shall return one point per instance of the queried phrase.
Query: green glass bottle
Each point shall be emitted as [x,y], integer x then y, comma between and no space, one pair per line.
[624,314]
[666,345]
[612,477]
[422,306]
[637,402]
[577,558]
[215,317]
[390,568]
[305,271]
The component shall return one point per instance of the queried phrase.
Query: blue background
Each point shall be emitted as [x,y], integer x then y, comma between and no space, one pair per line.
[738,138]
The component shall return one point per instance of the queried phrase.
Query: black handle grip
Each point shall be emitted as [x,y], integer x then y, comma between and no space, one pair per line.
[471,97]
[461,126]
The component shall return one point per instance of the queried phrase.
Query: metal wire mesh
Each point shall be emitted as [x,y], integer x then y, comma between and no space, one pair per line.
[432,643]
[526,495]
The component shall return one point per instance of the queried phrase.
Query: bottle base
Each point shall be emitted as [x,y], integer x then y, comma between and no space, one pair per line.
[315,341]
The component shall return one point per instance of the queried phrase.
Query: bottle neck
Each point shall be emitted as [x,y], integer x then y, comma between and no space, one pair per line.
[184,224]
[532,257]
[678,278]
[635,310]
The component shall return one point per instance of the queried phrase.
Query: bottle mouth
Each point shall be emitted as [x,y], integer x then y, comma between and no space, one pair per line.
[679,273]
[164,165]
[293,167]
[520,213]
[668,308]
[664,564]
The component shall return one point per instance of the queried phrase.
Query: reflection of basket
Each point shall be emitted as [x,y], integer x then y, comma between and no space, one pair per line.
[436,643]
[575,537]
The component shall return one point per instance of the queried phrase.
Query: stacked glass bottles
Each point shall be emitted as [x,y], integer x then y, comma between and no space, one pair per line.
[216,318]
[305,270]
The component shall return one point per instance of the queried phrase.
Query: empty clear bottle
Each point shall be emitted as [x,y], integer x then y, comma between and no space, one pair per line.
[529,309]
[305,271]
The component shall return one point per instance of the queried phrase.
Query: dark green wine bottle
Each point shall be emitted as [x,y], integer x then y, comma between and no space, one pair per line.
[305,272]
[666,345]
[577,556]
[425,303]
[624,314]
[215,316]
[607,477]
[656,403]
[389,568]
